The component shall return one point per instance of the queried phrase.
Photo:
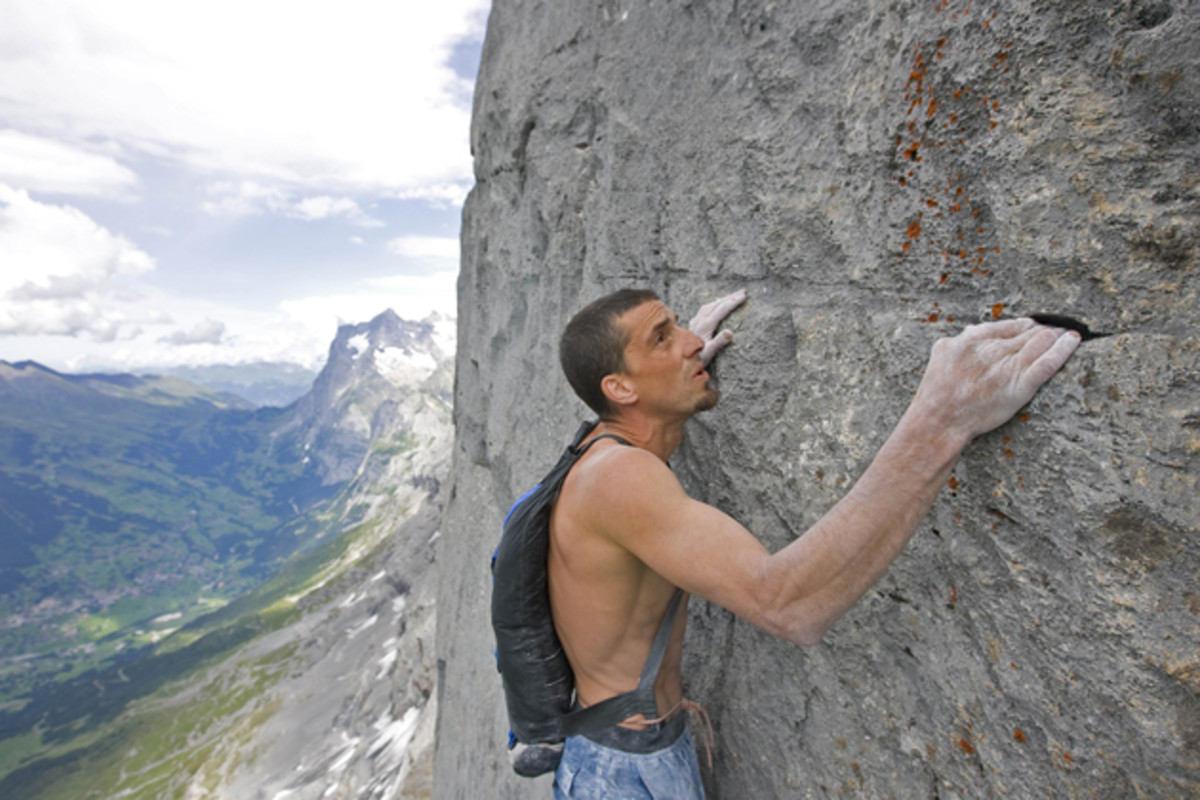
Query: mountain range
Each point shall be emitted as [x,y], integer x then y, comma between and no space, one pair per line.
[263,383]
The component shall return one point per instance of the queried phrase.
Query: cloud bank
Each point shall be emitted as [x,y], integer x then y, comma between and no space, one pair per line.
[235,112]
[287,93]
[63,274]
[44,165]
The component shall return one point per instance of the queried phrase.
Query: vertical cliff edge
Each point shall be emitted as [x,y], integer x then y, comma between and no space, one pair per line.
[876,175]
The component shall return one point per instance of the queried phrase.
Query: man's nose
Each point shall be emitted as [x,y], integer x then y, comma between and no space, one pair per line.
[693,344]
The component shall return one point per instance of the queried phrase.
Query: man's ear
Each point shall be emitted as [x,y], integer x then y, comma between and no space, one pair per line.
[618,389]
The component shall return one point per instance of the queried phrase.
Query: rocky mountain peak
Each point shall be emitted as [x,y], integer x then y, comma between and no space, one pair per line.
[373,368]
[402,352]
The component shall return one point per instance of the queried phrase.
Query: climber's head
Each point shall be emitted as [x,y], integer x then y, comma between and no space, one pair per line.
[628,350]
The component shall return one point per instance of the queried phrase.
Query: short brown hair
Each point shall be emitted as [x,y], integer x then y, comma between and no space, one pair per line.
[593,345]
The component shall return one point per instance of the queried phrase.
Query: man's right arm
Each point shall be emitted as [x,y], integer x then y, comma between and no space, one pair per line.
[972,384]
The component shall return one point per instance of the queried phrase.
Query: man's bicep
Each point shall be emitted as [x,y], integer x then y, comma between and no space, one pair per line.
[693,545]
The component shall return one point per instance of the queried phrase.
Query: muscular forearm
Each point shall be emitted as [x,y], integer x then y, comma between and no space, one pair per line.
[820,576]
[972,384]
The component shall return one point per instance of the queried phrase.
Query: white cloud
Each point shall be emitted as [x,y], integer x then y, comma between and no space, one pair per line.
[325,207]
[209,331]
[244,198]
[425,248]
[249,198]
[361,100]
[296,331]
[44,165]
[63,274]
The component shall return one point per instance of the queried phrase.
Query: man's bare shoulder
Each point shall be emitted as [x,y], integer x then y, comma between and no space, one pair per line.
[614,476]
[618,492]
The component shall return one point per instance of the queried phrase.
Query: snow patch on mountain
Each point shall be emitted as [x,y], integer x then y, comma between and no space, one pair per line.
[358,344]
[403,368]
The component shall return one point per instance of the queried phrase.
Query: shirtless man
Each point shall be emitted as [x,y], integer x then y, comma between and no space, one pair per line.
[624,534]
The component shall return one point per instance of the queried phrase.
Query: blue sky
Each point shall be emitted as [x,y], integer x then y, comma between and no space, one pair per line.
[223,182]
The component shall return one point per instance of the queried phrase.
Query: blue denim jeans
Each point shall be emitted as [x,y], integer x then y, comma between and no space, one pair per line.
[593,771]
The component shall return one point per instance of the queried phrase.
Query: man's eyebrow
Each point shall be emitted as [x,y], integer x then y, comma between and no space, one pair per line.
[666,321]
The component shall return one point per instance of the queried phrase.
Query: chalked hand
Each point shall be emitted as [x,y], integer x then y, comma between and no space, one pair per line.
[706,320]
[977,380]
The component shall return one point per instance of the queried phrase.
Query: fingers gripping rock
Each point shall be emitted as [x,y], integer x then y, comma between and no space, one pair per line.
[714,345]
[708,317]
[979,379]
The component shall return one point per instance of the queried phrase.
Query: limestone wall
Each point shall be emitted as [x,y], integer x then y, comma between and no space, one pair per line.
[876,175]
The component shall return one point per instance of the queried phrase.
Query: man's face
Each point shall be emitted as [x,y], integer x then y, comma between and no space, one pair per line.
[663,360]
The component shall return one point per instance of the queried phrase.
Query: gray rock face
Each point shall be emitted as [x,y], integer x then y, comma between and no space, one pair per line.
[876,175]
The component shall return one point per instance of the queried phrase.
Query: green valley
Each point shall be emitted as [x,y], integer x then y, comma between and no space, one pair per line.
[127,506]
[198,597]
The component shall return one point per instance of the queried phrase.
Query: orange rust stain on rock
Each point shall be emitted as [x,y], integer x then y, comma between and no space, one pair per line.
[1019,735]
[914,229]
[967,748]
[997,310]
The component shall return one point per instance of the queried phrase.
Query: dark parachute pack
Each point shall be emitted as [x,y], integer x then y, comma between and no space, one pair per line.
[539,686]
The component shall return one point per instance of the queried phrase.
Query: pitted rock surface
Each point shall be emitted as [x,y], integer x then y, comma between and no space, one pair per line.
[876,176]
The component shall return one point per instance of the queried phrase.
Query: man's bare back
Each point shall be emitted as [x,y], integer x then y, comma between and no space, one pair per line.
[607,604]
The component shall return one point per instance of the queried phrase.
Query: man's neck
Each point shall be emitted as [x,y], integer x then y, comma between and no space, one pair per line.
[658,437]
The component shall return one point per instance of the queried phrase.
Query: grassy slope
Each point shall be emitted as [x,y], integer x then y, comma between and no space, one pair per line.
[161,717]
